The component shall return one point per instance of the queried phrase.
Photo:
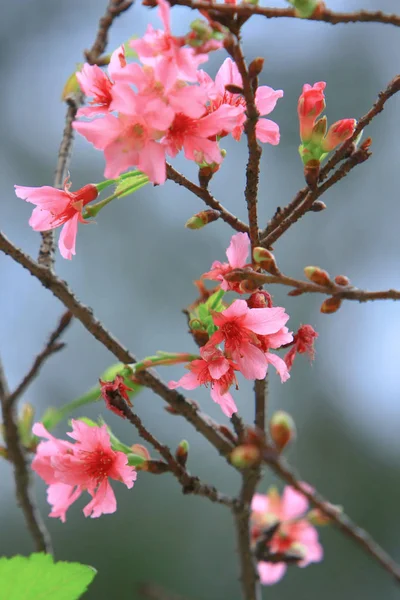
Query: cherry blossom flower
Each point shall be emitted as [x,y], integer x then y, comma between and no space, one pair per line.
[110,388]
[294,533]
[131,139]
[161,48]
[266,98]
[303,343]
[310,105]
[216,370]
[237,254]
[239,327]
[71,468]
[56,208]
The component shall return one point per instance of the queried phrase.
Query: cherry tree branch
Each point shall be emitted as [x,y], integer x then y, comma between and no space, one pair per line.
[323,14]
[207,198]
[338,291]
[342,521]
[114,9]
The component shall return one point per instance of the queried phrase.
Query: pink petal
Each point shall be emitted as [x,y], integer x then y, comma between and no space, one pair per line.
[189,381]
[266,99]
[100,132]
[60,496]
[218,368]
[265,321]
[41,220]
[251,361]
[279,365]
[294,504]
[259,503]
[201,150]
[103,502]
[118,158]
[46,197]
[123,99]
[164,14]
[225,401]
[228,73]
[270,573]
[281,337]
[152,162]
[238,308]
[67,240]
[238,250]
[267,132]
[121,471]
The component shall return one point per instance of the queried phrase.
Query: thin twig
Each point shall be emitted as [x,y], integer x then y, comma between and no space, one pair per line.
[356,533]
[325,15]
[338,291]
[147,378]
[207,198]
[260,393]
[51,347]
[115,7]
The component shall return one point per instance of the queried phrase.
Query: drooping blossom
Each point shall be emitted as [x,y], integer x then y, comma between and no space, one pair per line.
[303,343]
[237,254]
[71,468]
[239,327]
[294,533]
[212,369]
[310,105]
[338,133]
[266,98]
[109,389]
[56,208]
[161,48]
[275,341]
[131,139]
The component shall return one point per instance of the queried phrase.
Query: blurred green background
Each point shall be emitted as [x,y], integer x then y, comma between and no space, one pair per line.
[136,268]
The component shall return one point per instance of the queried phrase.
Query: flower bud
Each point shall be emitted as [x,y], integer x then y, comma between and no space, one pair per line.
[181,453]
[310,105]
[295,292]
[338,133]
[141,451]
[317,275]
[256,66]
[25,423]
[233,89]
[245,456]
[318,518]
[260,299]
[266,260]
[282,429]
[342,280]
[330,305]
[202,218]
[305,8]
[157,467]
[317,206]
[319,130]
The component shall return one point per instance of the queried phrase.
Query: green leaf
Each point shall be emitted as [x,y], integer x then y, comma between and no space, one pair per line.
[37,577]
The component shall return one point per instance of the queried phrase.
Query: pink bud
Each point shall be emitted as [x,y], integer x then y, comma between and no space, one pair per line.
[260,299]
[337,133]
[310,105]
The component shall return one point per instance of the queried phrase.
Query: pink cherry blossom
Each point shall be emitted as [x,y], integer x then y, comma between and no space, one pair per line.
[161,48]
[71,468]
[216,370]
[239,328]
[55,208]
[266,98]
[193,135]
[294,532]
[310,105]
[108,388]
[303,343]
[237,254]
[131,139]
[274,341]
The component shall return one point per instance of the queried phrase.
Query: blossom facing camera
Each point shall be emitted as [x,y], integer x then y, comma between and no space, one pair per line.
[58,208]
[69,469]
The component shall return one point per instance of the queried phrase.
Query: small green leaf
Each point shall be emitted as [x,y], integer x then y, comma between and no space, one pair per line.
[134,460]
[37,577]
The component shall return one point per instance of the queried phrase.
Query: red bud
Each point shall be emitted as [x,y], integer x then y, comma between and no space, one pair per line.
[330,305]
[317,275]
[282,429]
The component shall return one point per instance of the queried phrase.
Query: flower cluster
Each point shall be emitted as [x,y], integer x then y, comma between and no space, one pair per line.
[88,464]
[247,334]
[292,533]
[165,103]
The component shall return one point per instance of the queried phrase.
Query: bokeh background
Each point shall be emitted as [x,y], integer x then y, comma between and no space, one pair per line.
[136,267]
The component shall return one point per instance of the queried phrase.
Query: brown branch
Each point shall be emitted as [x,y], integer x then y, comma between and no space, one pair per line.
[147,378]
[16,455]
[51,347]
[207,198]
[115,8]
[342,521]
[324,15]
[248,568]
[260,393]
[254,149]
[338,291]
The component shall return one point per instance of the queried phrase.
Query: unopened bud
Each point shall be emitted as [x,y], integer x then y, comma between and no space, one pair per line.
[245,456]
[157,467]
[342,280]
[202,219]
[256,66]
[282,429]
[305,8]
[296,292]
[181,453]
[141,451]
[311,172]
[317,275]
[234,89]
[330,305]
[338,133]
[202,29]
[25,423]
[266,260]
[319,130]
[318,518]
[260,299]
[317,206]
